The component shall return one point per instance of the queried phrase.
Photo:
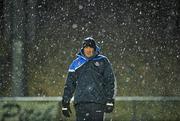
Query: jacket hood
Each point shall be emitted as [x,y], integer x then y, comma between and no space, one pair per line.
[80,53]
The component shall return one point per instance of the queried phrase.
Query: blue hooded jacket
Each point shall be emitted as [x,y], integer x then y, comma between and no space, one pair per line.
[91,80]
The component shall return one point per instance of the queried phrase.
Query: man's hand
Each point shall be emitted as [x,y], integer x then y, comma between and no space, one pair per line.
[66,110]
[109,106]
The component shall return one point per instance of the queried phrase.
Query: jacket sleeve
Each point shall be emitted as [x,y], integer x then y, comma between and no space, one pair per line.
[110,82]
[69,86]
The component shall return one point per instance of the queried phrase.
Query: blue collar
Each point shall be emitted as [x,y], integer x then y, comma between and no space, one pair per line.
[81,59]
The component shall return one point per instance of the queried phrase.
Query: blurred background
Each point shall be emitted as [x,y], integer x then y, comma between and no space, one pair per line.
[40,38]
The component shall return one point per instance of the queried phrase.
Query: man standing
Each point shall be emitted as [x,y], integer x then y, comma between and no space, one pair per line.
[92,81]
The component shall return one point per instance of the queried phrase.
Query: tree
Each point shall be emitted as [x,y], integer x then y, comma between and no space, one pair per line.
[18,37]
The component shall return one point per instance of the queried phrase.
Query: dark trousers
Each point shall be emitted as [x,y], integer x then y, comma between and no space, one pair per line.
[89,112]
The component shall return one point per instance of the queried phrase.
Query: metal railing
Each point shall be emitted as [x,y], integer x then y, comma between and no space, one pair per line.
[119,98]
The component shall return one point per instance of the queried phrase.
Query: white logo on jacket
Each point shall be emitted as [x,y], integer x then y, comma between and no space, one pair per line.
[97,64]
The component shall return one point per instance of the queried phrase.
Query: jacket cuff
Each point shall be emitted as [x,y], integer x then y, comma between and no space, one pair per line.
[109,104]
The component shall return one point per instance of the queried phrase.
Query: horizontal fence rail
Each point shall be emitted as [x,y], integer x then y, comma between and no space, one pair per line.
[120,98]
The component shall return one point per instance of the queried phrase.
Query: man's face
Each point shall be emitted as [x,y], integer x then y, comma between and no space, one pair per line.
[88,51]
